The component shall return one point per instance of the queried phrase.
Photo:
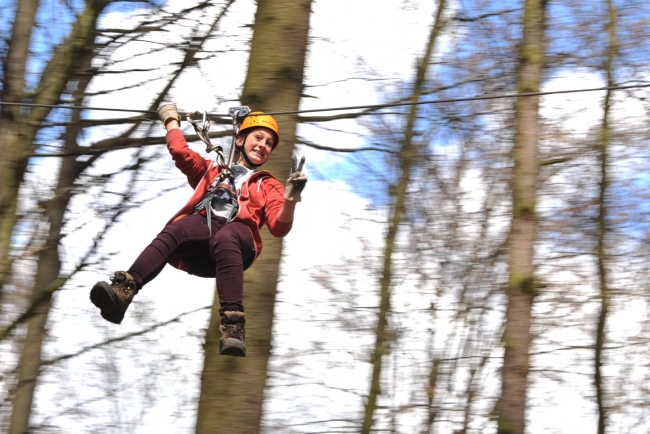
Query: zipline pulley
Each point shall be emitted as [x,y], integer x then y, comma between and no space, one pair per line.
[238,114]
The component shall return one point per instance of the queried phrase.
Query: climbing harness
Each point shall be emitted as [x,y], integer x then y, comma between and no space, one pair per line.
[223,197]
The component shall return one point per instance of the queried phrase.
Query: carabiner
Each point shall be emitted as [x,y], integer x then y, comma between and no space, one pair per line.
[203,132]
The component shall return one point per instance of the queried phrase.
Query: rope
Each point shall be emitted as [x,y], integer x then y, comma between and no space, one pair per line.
[357,107]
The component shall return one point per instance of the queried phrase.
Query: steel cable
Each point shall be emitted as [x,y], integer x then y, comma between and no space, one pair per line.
[345,108]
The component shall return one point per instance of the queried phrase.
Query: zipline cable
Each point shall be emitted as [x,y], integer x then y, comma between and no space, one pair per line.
[358,107]
[469,98]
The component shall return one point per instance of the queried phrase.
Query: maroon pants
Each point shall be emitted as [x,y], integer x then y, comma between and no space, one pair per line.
[225,255]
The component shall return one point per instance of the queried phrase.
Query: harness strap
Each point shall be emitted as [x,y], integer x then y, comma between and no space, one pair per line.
[242,151]
[206,203]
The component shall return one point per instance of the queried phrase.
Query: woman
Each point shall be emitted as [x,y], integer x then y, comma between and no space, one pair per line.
[217,233]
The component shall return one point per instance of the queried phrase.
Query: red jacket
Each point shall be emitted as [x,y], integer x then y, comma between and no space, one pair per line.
[260,201]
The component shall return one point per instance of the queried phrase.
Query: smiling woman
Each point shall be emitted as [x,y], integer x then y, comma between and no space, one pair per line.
[259,135]
[217,233]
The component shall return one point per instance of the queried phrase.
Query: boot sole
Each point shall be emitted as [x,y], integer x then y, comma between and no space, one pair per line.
[103,297]
[232,347]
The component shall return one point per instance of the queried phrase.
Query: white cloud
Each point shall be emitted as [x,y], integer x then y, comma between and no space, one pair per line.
[357,39]
[580,111]
[583,111]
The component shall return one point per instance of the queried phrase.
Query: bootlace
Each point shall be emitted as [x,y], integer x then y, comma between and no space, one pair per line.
[121,283]
[235,330]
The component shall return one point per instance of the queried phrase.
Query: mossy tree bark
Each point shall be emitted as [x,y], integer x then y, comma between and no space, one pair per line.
[511,404]
[232,389]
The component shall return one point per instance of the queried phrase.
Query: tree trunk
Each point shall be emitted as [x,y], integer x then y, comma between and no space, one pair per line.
[232,389]
[19,130]
[408,155]
[511,405]
[49,263]
[14,161]
[603,227]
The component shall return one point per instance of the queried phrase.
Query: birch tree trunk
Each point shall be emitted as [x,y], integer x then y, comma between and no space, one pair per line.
[232,389]
[511,405]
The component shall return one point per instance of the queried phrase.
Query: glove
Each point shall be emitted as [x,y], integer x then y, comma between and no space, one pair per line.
[296,181]
[167,112]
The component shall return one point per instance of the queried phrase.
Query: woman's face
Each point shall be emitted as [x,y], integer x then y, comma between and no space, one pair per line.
[258,146]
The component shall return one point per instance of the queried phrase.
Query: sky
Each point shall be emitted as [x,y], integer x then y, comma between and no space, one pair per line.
[335,226]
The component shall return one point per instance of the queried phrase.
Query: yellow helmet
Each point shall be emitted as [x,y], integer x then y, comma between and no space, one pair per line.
[259,119]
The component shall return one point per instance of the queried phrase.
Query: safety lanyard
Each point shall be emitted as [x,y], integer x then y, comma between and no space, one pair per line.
[226,176]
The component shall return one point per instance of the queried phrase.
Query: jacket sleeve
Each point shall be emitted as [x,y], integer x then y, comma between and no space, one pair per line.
[274,201]
[191,163]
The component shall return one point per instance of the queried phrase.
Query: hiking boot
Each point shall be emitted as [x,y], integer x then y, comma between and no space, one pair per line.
[113,299]
[231,342]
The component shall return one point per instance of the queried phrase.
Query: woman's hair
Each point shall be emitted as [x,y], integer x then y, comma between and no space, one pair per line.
[239,148]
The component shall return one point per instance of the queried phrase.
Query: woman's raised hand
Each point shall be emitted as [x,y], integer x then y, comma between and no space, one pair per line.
[296,181]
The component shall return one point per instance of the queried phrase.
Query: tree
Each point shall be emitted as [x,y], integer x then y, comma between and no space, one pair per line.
[75,52]
[21,130]
[274,82]
[603,224]
[522,286]
[408,155]
[14,162]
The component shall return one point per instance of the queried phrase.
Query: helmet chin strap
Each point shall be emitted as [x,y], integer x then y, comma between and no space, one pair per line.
[242,151]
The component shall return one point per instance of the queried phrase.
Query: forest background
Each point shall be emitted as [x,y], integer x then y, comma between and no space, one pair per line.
[463,260]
